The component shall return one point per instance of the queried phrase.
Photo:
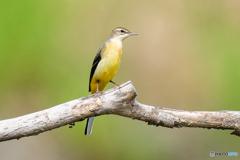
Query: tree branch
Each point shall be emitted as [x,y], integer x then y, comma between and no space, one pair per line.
[119,101]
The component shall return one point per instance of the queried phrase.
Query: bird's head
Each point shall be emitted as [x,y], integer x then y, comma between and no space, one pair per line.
[121,33]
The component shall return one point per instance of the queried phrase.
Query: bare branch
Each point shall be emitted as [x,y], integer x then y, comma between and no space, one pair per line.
[119,101]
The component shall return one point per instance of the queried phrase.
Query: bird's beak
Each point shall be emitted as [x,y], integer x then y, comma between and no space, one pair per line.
[133,34]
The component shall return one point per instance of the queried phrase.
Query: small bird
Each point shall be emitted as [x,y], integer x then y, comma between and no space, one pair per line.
[106,64]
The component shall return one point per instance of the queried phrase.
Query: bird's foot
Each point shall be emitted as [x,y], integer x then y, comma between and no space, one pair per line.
[118,85]
[98,94]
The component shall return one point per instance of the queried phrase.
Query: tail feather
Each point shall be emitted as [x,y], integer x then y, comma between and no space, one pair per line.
[88,129]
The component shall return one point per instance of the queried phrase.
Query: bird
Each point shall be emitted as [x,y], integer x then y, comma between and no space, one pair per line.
[106,64]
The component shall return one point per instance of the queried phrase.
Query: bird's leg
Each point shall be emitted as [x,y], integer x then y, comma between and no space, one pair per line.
[114,83]
[117,85]
[97,88]
[98,92]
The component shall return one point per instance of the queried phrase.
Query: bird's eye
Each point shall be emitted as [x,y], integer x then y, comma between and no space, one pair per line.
[122,31]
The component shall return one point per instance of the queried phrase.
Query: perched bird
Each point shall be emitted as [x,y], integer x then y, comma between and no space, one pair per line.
[106,64]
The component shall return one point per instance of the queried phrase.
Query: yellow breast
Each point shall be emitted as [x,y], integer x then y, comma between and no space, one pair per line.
[108,66]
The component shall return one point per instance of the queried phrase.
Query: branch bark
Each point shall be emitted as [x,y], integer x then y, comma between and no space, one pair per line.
[119,101]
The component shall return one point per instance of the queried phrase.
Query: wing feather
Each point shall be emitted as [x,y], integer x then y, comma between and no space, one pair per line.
[96,61]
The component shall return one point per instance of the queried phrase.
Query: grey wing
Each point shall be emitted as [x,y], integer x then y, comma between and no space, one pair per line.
[96,61]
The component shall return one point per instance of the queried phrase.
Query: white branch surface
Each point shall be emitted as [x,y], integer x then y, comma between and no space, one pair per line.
[119,101]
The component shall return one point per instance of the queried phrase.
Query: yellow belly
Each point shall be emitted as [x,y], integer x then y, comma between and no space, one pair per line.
[107,67]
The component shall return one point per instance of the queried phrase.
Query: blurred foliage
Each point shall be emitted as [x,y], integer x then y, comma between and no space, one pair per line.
[185,57]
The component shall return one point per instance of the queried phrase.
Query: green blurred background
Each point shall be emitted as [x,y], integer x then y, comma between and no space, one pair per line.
[186,57]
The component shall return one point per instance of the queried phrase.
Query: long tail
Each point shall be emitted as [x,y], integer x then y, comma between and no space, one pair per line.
[88,129]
